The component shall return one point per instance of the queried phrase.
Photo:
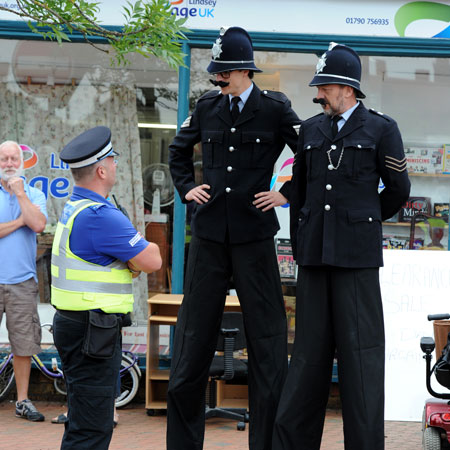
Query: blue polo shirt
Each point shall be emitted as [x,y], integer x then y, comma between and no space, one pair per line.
[102,233]
[18,249]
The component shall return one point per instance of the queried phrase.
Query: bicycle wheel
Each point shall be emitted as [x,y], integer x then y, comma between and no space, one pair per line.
[129,384]
[7,380]
[60,385]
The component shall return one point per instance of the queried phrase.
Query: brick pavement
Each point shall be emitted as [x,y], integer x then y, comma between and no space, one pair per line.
[136,430]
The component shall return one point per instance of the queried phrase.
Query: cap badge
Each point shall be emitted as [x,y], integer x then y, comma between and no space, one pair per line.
[217,48]
[321,63]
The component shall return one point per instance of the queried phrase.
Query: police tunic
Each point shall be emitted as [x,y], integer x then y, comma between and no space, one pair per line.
[336,229]
[238,161]
[231,238]
[336,214]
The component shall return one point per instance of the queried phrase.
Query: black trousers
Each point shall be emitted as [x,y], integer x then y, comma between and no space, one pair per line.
[91,386]
[336,309]
[256,277]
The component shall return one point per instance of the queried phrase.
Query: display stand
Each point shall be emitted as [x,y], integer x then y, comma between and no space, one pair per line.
[163,310]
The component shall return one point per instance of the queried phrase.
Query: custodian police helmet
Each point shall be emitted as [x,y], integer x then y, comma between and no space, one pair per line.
[233,50]
[88,148]
[339,65]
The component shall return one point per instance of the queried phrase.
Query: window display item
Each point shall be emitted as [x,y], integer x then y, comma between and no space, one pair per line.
[424,160]
[286,263]
[441,210]
[413,206]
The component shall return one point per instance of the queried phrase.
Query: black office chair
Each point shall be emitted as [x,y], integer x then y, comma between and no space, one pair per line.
[226,367]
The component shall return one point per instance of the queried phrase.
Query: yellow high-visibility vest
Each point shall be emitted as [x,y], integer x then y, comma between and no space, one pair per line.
[79,285]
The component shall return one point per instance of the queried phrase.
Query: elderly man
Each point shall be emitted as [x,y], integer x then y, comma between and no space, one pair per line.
[22,214]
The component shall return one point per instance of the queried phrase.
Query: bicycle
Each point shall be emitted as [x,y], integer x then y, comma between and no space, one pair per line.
[130,374]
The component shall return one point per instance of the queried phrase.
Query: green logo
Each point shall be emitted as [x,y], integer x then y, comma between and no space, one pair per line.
[413,11]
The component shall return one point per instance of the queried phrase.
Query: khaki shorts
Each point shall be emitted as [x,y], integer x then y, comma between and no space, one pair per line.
[19,303]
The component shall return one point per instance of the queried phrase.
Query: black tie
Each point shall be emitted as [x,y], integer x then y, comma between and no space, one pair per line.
[334,126]
[235,108]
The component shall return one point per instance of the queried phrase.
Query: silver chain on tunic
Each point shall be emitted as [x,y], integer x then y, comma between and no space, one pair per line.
[332,166]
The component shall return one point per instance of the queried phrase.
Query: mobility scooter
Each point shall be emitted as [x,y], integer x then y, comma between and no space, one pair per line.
[436,414]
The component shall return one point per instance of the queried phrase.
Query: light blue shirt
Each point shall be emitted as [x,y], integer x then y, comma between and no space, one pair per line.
[244,97]
[18,249]
[345,116]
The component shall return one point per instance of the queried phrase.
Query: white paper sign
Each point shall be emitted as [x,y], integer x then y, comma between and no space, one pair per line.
[413,285]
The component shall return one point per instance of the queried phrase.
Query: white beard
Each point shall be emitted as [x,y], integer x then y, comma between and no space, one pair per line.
[11,173]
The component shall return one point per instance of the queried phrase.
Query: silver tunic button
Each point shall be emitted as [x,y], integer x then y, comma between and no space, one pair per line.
[229,169]
[209,139]
[327,207]
[233,130]
[258,140]
[370,219]
[228,190]
[330,166]
[231,149]
[333,147]
[265,92]
[307,148]
[328,187]
[359,145]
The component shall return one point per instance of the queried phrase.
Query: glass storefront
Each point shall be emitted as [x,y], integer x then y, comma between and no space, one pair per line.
[410,90]
[50,93]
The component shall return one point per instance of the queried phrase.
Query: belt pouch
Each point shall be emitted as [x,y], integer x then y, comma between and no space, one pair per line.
[101,335]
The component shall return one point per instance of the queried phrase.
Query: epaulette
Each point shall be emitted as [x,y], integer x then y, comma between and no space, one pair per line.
[210,94]
[312,118]
[96,207]
[378,113]
[275,95]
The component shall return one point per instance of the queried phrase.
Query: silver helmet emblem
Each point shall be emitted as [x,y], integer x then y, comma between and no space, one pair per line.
[321,63]
[217,48]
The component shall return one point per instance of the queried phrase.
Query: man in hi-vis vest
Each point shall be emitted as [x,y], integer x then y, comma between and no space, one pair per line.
[96,253]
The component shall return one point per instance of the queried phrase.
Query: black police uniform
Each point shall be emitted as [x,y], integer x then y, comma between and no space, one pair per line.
[336,230]
[231,237]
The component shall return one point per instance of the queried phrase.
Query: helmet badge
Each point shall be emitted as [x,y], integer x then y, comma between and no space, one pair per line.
[217,48]
[321,63]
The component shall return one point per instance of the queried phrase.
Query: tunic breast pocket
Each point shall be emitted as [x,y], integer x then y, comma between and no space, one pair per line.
[360,157]
[257,149]
[314,157]
[212,149]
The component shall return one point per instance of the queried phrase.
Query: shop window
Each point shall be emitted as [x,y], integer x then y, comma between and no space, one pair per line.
[51,93]
[410,90]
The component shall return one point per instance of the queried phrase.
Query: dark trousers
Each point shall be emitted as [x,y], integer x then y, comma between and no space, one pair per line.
[255,274]
[336,309]
[91,386]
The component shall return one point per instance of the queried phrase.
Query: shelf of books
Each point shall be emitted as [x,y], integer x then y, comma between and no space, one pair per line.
[429,172]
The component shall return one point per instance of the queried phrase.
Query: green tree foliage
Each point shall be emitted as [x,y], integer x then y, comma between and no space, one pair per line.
[149,27]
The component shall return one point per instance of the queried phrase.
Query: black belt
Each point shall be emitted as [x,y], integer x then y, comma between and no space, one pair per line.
[82,316]
[77,316]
